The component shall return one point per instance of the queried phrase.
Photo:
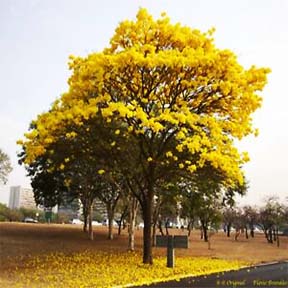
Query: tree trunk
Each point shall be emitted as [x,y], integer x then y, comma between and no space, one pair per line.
[237,234]
[154,234]
[274,234]
[160,227]
[110,229]
[131,238]
[211,233]
[205,233]
[110,213]
[132,219]
[228,229]
[147,243]
[270,236]
[154,222]
[85,215]
[166,227]
[119,226]
[189,228]
[201,233]
[266,235]
[277,237]
[252,231]
[85,223]
[123,215]
[246,232]
[91,235]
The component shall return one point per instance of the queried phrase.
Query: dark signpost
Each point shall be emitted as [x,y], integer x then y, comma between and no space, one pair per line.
[171,242]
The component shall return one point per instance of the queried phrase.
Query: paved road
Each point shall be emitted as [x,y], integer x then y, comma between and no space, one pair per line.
[268,276]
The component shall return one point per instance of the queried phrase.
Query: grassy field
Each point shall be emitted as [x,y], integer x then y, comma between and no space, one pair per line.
[24,246]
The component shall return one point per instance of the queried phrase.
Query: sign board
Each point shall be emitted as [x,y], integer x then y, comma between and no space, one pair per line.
[179,241]
[171,242]
[161,241]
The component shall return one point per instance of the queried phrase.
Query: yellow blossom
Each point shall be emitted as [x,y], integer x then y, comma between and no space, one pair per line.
[192,168]
[169,154]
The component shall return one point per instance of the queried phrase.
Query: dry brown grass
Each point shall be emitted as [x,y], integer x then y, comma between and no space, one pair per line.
[19,240]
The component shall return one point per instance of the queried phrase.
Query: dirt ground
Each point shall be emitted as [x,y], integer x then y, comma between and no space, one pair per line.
[19,240]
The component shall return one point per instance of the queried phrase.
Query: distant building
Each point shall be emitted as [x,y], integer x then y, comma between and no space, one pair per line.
[21,197]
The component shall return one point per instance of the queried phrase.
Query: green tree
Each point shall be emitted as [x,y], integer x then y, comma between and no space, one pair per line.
[250,214]
[5,166]
[229,216]
[14,215]
[3,212]
[270,218]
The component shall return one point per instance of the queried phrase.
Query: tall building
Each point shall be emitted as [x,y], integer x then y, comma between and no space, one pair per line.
[21,197]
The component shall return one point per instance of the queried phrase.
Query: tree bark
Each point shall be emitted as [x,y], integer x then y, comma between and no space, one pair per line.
[85,223]
[166,227]
[269,236]
[246,232]
[119,226]
[85,215]
[154,234]
[189,228]
[277,237]
[274,234]
[132,219]
[147,243]
[154,223]
[123,215]
[205,234]
[252,231]
[110,213]
[160,227]
[237,233]
[266,235]
[211,233]
[228,229]
[91,234]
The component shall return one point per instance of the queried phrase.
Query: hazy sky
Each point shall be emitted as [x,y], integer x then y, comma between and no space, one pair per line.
[37,36]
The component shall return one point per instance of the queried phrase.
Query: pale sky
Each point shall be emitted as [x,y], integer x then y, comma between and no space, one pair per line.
[37,36]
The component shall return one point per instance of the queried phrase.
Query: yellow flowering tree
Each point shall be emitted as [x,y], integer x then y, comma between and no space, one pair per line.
[174,100]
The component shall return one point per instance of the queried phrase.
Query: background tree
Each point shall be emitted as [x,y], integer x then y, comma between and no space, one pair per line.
[122,210]
[165,208]
[3,212]
[109,193]
[271,217]
[250,214]
[5,166]
[229,216]
[133,210]
[239,223]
